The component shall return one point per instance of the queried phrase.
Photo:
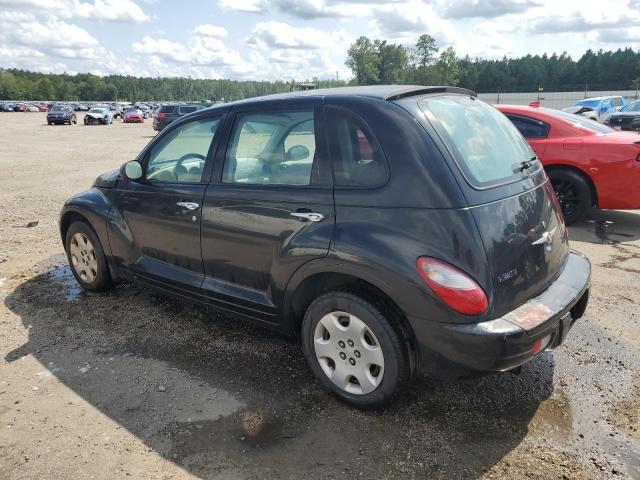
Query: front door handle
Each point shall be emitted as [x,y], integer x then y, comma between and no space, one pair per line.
[189,205]
[310,216]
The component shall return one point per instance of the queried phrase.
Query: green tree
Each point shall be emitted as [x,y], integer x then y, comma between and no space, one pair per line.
[448,67]
[363,60]
[393,61]
[424,52]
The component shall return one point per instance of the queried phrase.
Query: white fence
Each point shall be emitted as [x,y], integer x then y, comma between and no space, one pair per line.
[552,99]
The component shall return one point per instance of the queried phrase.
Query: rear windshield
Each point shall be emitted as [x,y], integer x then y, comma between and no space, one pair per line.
[188,109]
[487,147]
[632,107]
[590,103]
[167,109]
[60,108]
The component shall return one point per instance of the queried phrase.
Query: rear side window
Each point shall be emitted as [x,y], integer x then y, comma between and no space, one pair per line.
[529,127]
[486,146]
[358,160]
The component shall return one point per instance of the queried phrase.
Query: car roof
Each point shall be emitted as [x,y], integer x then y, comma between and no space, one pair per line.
[382,92]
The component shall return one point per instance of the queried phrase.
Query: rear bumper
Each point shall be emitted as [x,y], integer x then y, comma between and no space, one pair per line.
[507,342]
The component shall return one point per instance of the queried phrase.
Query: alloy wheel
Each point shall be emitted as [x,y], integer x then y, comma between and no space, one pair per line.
[567,196]
[348,352]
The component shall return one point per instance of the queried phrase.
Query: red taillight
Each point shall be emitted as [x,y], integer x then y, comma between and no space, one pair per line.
[161,115]
[453,287]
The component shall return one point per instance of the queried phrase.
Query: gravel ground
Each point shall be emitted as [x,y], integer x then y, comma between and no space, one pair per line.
[131,384]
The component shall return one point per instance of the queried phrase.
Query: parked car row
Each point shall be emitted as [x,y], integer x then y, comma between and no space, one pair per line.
[23,107]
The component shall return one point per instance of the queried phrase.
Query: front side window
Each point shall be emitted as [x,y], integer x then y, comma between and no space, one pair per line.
[486,145]
[277,147]
[179,157]
[529,127]
[358,160]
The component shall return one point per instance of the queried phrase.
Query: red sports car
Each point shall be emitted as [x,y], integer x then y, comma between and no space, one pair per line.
[133,116]
[589,164]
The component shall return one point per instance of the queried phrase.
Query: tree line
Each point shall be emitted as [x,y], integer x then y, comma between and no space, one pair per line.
[25,85]
[371,62]
[379,62]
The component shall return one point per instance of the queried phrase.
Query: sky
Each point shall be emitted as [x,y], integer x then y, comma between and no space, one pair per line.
[291,39]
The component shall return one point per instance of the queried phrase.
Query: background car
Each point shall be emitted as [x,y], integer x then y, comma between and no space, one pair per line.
[583,110]
[589,164]
[98,116]
[61,114]
[133,115]
[7,107]
[168,113]
[603,106]
[628,118]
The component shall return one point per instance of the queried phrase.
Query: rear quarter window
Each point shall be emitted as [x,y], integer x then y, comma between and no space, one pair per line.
[486,146]
[358,160]
[529,127]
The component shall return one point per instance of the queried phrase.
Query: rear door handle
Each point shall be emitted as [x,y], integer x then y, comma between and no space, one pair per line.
[310,216]
[189,205]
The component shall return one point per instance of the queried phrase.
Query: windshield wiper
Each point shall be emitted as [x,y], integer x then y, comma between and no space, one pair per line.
[525,164]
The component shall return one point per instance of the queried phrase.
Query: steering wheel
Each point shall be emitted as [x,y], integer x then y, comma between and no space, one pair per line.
[185,157]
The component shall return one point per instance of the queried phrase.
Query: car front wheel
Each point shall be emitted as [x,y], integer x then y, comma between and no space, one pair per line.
[86,258]
[354,350]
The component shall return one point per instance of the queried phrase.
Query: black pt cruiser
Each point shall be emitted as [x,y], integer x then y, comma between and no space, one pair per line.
[395,229]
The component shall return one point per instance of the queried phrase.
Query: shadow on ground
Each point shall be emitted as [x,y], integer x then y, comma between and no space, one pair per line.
[607,226]
[217,396]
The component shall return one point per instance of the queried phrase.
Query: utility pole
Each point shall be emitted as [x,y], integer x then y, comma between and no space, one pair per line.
[337,76]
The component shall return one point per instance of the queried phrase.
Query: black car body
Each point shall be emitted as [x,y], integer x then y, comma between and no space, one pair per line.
[468,267]
[61,114]
[626,119]
[168,113]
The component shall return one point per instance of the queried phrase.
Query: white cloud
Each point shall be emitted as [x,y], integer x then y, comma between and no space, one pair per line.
[253,6]
[267,35]
[163,48]
[109,10]
[486,8]
[208,30]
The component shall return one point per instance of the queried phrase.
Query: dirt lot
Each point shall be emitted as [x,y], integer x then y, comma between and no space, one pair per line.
[131,384]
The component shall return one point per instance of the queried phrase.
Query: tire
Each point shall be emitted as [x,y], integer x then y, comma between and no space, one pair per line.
[378,341]
[87,260]
[573,192]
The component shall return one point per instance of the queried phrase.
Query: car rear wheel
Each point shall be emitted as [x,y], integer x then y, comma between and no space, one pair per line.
[573,192]
[86,258]
[354,351]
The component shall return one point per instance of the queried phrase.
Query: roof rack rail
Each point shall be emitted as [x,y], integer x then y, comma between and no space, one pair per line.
[428,90]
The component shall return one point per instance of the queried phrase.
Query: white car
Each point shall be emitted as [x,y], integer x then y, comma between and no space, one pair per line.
[587,112]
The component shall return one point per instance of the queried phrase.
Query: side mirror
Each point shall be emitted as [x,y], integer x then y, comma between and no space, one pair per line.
[131,170]
[297,152]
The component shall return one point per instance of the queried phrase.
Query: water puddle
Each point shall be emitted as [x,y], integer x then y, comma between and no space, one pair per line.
[604,231]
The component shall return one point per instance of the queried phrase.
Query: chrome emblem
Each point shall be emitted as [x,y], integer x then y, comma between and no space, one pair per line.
[545,239]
